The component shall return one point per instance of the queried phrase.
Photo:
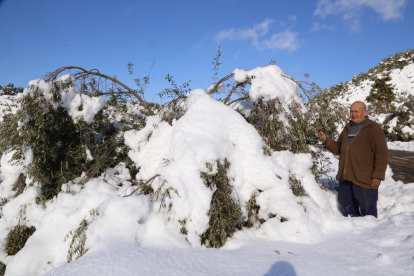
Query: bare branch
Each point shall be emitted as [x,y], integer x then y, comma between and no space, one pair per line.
[84,73]
[226,100]
[234,89]
[143,184]
[239,99]
[215,87]
[299,83]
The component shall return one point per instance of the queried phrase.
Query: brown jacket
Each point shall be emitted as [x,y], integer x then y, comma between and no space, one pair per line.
[365,158]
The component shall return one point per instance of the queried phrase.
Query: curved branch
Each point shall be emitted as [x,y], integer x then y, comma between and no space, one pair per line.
[299,83]
[143,184]
[214,89]
[53,75]
[174,101]
[239,99]
[233,89]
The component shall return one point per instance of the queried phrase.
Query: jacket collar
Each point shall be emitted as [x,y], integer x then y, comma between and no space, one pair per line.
[367,122]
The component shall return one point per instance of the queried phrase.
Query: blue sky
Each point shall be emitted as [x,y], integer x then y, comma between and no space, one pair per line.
[329,39]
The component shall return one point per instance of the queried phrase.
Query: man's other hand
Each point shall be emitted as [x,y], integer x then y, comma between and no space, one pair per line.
[322,136]
[375,182]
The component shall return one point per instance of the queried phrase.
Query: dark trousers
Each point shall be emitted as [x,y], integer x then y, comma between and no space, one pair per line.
[357,201]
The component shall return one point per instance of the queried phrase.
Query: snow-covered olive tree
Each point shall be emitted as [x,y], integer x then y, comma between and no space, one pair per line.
[202,167]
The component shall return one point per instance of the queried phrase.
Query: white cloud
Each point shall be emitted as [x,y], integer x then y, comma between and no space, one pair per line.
[285,40]
[292,18]
[243,34]
[317,27]
[352,9]
[354,24]
[291,21]
[236,55]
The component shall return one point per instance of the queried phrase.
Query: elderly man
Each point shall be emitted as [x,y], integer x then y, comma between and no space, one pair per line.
[363,159]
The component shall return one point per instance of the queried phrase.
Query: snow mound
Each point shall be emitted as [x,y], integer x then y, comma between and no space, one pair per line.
[269,83]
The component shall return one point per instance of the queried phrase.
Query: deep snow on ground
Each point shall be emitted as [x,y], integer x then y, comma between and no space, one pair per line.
[361,246]
[136,235]
[358,252]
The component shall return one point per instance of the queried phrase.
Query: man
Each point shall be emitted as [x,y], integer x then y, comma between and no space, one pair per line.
[363,159]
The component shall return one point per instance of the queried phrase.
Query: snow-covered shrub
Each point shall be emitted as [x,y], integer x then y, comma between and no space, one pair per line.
[173,111]
[327,114]
[19,185]
[60,134]
[129,114]
[225,213]
[252,210]
[44,134]
[337,89]
[77,237]
[296,186]
[17,237]
[278,111]
[399,124]
[281,128]
[172,156]
[10,89]
[56,136]
[176,94]
[381,95]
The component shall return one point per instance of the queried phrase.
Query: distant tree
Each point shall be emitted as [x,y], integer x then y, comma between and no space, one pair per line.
[381,95]
[9,89]
[404,116]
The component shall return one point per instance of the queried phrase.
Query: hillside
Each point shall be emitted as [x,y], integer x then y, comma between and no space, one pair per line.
[388,89]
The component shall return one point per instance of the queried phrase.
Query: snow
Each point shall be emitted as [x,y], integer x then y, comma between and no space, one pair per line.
[356,92]
[7,105]
[398,145]
[81,106]
[10,172]
[366,246]
[89,156]
[399,79]
[240,75]
[78,105]
[244,107]
[392,124]
[402,80]
[408,130]
[350,254]
[269,83]
[128,233]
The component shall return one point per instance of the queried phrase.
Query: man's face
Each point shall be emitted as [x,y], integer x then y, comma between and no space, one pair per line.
[357,113]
